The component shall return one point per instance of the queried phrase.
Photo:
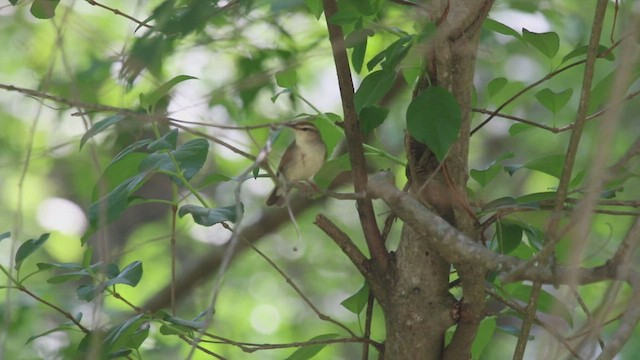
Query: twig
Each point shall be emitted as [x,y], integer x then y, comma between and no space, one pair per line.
[367,325]
[528,318]
[174,215]
[562,192]
[493,113]
[195,344]
[544,325]
[119,13]
[47,303]
[344,243]
[586,311]
[545,78]
[299,292]
[253,347]
[379,254]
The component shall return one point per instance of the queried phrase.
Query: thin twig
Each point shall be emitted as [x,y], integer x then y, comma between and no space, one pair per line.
[545,78]
[586,311]
[551,234]
[299,292]
[344,243]
[54,307]
[528,318]
[253,347]
[119,13]
[522,311]
[367,325]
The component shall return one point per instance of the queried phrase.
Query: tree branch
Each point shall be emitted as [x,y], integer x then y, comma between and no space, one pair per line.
[456,247]
[345,244]
[379,254]
[452,244]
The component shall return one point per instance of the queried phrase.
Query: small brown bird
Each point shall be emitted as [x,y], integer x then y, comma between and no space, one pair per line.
[301,161]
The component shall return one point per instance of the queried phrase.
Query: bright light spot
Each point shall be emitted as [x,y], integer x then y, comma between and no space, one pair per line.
[61,215]
[516,20]
[214,235]
[49,346]
[521,68]
[265,319]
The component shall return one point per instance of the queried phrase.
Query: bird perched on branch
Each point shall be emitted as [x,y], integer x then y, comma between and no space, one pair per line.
[301,161]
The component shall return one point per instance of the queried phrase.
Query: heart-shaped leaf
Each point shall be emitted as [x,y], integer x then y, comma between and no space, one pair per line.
[434,119]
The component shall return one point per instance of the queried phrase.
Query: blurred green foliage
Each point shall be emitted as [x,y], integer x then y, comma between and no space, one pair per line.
[253,63]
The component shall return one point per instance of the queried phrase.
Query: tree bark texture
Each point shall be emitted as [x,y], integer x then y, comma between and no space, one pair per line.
[418,309]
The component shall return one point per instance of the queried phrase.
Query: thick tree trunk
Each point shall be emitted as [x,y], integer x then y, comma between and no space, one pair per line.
[418,306]
[418,309]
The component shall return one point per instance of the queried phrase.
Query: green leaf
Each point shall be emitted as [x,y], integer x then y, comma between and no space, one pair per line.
[373,88]
[117,173]
[114,203]
[357,56]
[357,302]
[484,335]
[44,9]
[535,198]
[62,327]
[126,336]
[503,202]
[365,7]
[190,157]
[494,86]
[5,235]
[434,119]
[535,236]
[509,235]
[168,141]
[601,92]
[309,351]
[88,292]
[213,179]
[516,129]
[330,170]
[277,95]
[501,28]
[131,148]
[344,17]
[554,101]
[63,266]
[100,126]
[74,271]
[130,275]
[331,133]
[582,50]
[547,303]
[392,55]
[371,117]
[315,7]
[208,217]
[189,324]
[287,78]
[551,165]
[28,248]
[547,43]
[357,36]
[170,329]
[483,177]
[511,330]
[111,270]
[148,102]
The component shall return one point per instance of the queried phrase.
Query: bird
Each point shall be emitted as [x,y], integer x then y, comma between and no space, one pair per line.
[301,161]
